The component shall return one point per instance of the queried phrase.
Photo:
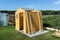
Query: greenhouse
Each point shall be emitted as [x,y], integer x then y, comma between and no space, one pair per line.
[3,19]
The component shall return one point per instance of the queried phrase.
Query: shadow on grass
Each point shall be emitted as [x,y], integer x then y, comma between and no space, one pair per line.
[46,25]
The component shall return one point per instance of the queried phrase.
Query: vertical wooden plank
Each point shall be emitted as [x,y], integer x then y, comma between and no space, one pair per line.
[36,21]
[31,23]
[40,21]
[25,23]
[17,21]
[28,27]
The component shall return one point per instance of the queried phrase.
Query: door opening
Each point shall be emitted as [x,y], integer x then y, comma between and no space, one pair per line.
[21,21]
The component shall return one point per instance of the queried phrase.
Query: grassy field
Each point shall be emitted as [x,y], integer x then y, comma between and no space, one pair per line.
[9,33]
[52,20]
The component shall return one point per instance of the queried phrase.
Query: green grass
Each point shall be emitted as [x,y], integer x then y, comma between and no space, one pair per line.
[54,21]
[9,33]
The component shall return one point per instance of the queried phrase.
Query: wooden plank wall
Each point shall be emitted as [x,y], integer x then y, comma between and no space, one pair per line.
[33,22]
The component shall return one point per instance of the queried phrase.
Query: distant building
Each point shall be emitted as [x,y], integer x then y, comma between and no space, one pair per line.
[3,19]
[11,16]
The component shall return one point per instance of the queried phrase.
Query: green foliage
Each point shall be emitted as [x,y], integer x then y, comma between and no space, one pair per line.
[50,12]
[8,11]
[53,20]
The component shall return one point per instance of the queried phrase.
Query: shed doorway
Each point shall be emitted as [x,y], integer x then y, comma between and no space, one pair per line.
[21,21]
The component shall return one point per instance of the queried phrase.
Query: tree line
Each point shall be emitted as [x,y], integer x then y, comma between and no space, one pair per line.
[44,12]
[50,12]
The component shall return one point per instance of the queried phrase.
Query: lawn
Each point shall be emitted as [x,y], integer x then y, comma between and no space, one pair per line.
[9,33]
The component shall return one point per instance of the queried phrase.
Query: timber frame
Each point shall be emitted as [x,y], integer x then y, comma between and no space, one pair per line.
[29,21]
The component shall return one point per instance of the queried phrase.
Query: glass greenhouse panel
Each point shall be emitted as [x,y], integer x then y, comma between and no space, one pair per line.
[3,19]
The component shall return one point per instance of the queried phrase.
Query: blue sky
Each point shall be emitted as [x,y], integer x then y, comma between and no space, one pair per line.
[35,4]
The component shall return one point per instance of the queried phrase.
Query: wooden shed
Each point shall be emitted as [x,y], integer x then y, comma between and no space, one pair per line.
[30,21]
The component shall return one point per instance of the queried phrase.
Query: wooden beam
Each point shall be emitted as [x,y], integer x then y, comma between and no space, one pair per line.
[40,21]
[28,27]
[25,23]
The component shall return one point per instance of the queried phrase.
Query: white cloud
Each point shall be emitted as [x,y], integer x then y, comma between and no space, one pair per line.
[30,7]
[56,3]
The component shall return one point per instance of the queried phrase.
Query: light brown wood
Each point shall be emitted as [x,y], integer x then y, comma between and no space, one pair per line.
[57,34]
[28,27]
[41,22]
[25,24]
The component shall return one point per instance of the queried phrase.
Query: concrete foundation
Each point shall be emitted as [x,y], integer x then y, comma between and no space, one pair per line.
[35,34]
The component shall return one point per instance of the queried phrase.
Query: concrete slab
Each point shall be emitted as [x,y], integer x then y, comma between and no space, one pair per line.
[35,34]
